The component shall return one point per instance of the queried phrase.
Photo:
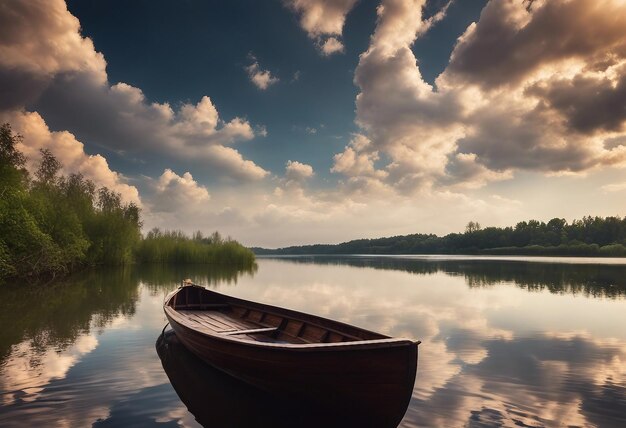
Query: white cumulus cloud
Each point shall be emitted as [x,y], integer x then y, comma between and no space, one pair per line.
[323,21]
[173,192]
[68,150]
[262,79]
[298,171]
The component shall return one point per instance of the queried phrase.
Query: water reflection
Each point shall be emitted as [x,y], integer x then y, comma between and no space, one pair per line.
[475,319]
[159,276]
[591,279]
[55,316]
[504,343]
[218,400]
[537,381]
[48,330]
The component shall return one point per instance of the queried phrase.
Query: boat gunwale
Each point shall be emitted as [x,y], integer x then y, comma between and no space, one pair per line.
[385,342]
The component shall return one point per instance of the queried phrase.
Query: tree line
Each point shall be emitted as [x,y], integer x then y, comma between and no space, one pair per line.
[589,236]
[51,224]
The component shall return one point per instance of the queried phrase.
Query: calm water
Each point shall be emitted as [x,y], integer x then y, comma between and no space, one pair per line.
[504,342]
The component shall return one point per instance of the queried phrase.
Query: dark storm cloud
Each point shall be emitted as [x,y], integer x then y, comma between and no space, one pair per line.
[19,87]
[561,84]
[91,111]
[509,43]
[587,103]
[503,138]
[39,39]
[47,66]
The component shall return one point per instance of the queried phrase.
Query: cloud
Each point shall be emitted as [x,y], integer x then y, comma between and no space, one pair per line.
[509,134]
[304,213]
[358,159]
[400,22]
[330,46]
[559,102]
[323,21]
[262,79]
[296,171]
[509,43]
[463,171]
[173,192]
[616,187]
[290,194]
[401,114]
[587,103]
[41,37]
[486,118]
[120,118]
[47,66]
[68,150]
[527,88]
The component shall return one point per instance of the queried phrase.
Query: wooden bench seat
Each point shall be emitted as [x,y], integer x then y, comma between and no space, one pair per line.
[250,331]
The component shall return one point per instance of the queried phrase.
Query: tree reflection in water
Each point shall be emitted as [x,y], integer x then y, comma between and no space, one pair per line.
[48,328]
[504,342]
[589,279]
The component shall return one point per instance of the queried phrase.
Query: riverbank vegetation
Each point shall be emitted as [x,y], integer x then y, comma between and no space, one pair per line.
[51,224]
[174,246]
[589,236]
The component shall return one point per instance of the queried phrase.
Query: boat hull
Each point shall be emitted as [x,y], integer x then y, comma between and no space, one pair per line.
[370,378]
[219,400]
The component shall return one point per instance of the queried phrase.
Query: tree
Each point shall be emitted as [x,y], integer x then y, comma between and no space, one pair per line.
[216,238]
[24,248]
[13,175]
[49,167]
[472,226]
[9,155]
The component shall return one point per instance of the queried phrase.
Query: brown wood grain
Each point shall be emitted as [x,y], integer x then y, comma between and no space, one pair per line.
[315,358]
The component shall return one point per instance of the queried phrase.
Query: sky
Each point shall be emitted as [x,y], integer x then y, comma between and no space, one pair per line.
[289,122]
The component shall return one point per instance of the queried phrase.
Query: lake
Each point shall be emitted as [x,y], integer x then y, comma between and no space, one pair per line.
[506,341]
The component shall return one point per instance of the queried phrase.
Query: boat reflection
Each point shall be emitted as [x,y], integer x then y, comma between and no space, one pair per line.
[219,400]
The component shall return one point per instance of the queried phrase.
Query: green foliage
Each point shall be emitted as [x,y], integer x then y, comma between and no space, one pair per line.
[9,155]
[24,247]
[47,225]
[176,247]
[115,233]
[49,167]
[53,224]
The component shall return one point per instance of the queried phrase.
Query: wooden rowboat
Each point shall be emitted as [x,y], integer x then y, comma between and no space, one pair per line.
[325,362]
[218,400]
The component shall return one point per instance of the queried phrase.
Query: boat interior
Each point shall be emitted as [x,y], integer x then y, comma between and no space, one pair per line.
[211,312]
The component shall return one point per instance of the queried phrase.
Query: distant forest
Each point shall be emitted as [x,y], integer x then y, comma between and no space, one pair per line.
[590,236]
[52,225]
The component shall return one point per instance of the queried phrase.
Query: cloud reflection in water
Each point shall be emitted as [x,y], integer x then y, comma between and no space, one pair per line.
[504,343]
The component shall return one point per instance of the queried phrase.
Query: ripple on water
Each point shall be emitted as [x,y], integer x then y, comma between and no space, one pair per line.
[505,342]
